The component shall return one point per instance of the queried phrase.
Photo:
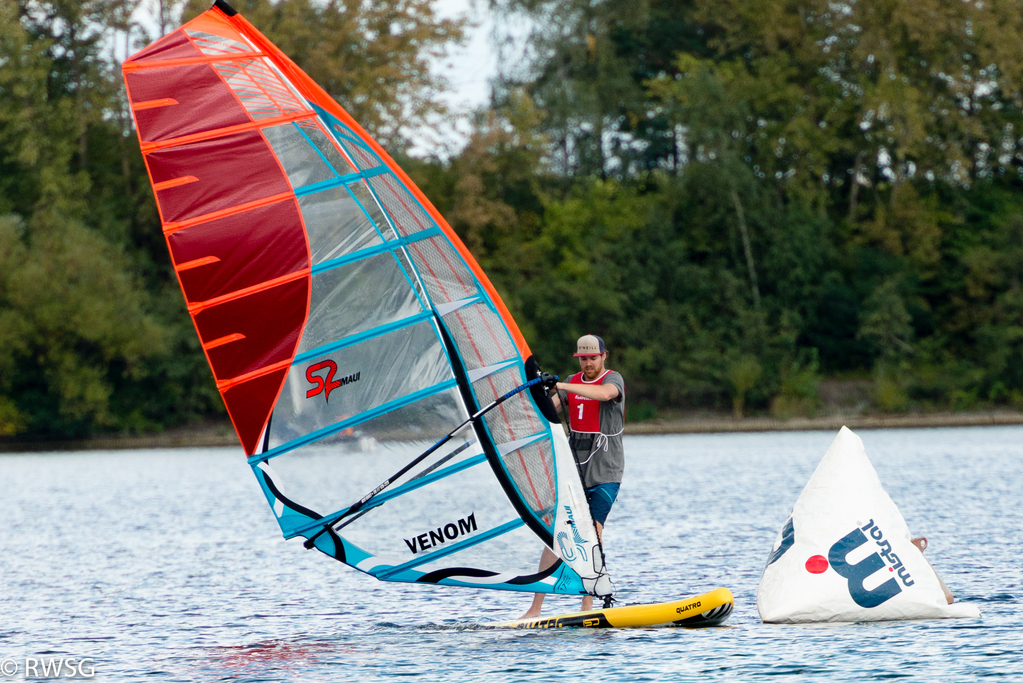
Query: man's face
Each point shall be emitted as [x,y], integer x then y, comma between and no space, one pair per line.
[592,366]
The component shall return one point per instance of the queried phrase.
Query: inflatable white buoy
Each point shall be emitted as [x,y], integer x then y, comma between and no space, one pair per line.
[845,552]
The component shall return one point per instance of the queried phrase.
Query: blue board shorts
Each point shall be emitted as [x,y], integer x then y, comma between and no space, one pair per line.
[601,497]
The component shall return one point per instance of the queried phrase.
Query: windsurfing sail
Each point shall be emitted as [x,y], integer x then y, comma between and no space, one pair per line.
[348,328]
[844,554]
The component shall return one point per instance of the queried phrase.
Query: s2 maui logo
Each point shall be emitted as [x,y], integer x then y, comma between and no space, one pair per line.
[326,384]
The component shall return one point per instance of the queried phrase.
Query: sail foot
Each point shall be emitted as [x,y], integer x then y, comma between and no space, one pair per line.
[600,587]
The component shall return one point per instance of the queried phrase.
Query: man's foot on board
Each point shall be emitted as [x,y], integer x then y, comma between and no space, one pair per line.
[920,542]
[531,614]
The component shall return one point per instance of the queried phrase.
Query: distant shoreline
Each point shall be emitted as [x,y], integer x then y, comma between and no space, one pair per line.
[215,435]
[711,424]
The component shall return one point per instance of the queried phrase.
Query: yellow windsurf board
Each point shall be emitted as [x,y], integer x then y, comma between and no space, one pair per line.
[708,609]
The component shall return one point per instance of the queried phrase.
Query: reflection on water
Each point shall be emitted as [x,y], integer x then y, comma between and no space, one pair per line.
[168,565]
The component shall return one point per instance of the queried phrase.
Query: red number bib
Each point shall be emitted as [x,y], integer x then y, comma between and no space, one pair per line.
[583,413]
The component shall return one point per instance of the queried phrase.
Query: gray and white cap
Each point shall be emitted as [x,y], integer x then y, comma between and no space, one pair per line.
[589,345]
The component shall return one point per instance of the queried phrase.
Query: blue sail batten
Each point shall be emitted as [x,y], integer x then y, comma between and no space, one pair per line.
[397,491]
[351,422]
[338,181]
[387,246]
[363,336]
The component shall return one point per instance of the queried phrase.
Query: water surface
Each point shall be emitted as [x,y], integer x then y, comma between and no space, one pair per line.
[167,565]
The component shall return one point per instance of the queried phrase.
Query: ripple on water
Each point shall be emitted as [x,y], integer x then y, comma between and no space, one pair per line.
[167,565]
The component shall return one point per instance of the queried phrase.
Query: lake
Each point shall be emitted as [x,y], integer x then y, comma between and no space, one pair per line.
[167,565]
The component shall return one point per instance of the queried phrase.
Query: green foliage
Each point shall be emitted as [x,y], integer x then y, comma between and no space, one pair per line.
[743,373]
[639,412]
[94,335]
[818,189]
[890,394]
[797,394]
[743,198]
[373,57]
[886,322]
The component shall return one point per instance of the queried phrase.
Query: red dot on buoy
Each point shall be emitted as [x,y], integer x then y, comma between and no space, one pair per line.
[817,564]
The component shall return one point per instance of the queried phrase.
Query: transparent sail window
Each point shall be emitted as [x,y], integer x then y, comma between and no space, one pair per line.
[364,159]
[316,135]
[362,192]
[442,270]
[403,208]
[385,370]
[336,224]
[260,88]
[301,162]
[216,46]
[333,473]
[355,298]
[460,505]
[479,335]
[532,470]
[413,276]
[514,419]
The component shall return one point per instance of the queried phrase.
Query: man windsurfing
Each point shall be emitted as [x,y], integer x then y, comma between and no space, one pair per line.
[594,399]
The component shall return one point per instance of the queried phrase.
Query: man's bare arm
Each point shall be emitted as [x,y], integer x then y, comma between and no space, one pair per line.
[598,392]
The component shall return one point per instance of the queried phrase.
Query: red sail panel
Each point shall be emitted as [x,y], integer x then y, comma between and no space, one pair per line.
[181,92]
[217,179]
[231,171]
[172,46]
[239,251]
[247,404]
[280,308]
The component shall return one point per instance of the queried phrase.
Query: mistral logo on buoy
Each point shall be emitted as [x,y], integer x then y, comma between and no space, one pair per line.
[326,384]
[856,574]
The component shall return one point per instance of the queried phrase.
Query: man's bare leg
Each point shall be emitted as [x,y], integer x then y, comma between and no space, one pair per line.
[588,600]
[546,560]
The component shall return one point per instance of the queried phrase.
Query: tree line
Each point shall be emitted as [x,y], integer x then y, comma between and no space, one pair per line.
[744,198]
